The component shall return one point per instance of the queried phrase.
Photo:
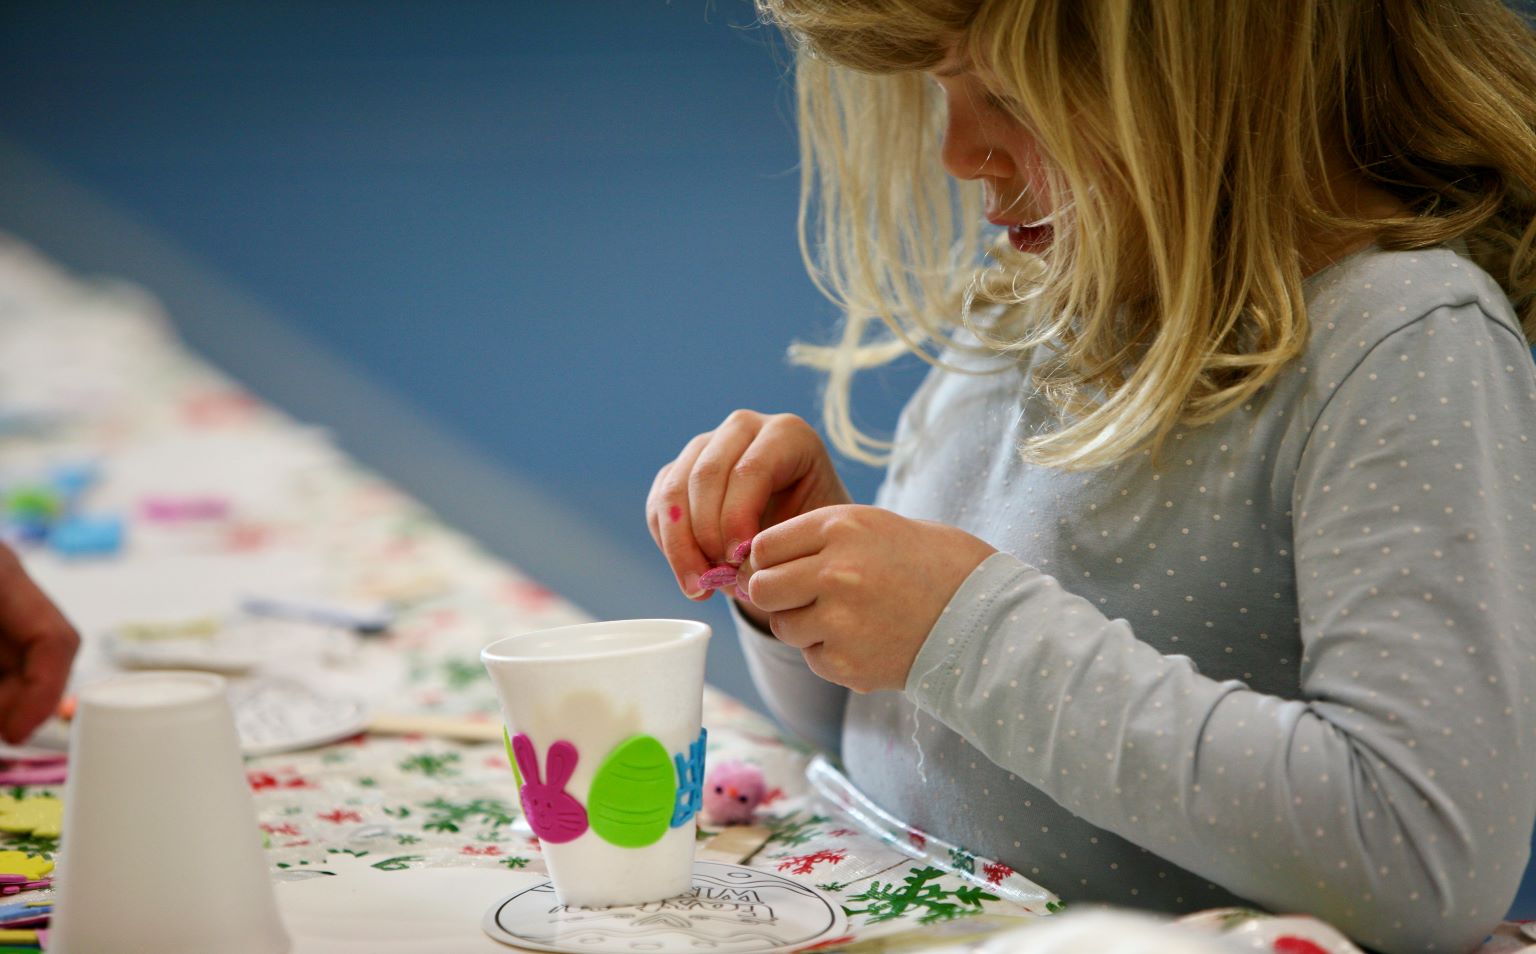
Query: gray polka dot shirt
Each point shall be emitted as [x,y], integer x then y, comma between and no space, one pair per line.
[1289,664]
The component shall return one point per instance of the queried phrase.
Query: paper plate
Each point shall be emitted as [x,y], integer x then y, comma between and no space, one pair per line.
[730,908]
[281,715]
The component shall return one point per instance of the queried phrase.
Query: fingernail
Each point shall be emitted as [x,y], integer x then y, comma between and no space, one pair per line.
[691,587]
[739,551]
[741,594]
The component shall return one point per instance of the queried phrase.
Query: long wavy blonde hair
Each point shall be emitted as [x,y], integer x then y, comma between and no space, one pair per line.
[1191,137]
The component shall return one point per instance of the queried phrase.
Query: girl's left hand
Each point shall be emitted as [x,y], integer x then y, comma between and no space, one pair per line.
[857,589]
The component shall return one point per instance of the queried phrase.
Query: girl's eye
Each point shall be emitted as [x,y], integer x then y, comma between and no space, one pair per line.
[998,103]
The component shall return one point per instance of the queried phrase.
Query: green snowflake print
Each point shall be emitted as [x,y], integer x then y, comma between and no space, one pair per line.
[449,816]
[886,902]
[460,674]
[398,862]
[432,766]
[791,833]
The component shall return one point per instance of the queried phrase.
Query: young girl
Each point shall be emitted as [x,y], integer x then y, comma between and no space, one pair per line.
[1203,568]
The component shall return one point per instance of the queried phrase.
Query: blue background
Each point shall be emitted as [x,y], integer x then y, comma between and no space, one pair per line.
[514,253]
[562,234]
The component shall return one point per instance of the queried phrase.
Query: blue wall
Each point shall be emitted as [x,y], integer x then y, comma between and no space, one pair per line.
[562,231]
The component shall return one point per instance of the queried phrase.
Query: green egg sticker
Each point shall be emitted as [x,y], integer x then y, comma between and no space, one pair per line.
[506,737]
[633,794]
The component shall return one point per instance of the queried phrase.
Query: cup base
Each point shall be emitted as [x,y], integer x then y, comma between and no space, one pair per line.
[727,908]
[600,897]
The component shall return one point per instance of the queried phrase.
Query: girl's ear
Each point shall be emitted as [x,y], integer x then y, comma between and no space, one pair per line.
[527,758]
[561,763]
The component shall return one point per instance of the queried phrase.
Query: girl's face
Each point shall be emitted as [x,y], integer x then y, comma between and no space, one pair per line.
[984,141]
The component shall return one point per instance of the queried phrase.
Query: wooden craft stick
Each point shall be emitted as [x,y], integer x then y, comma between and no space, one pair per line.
[442,727]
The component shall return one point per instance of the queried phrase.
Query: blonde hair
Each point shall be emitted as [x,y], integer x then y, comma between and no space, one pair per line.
[1191,139]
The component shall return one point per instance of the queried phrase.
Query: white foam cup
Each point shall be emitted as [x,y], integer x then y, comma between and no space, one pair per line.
[160,848]
[605,721]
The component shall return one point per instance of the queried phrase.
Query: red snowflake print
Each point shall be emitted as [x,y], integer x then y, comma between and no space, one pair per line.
[247,536]
[823,945]
[996,871]
[917,838]
[214,408]
[489,851]
[1291,944]
[805,864]
[287,828]
[340,815]
[527,594]
[284,778]
[843,832]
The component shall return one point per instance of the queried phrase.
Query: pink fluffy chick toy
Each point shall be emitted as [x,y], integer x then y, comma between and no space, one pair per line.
[732,790]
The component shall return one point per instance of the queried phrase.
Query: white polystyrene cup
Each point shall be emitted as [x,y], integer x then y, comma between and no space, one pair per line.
[160,849]
[597,686]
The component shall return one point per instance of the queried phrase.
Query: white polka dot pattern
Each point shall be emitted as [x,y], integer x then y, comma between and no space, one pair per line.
[1282,663]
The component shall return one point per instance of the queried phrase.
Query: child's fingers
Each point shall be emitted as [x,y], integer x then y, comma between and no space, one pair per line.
[674,522]
[784,451]
[710,475]
[786,586]
[795,627]
[653,506]
[793,539]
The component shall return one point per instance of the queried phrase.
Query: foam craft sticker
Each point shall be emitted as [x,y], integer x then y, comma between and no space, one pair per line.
[717,576]
[633,793]
[42,815]
[19,863]
[553,813]
[690,782]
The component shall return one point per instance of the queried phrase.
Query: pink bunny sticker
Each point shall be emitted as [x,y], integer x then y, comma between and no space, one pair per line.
[553,813]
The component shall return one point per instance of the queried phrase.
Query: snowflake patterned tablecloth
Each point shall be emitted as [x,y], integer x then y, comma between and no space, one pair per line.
[94,373]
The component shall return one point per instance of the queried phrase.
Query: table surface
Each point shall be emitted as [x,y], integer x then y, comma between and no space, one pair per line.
[382,842]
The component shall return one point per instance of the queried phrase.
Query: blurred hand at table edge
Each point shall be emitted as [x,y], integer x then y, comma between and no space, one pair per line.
[37,646]
[752,472]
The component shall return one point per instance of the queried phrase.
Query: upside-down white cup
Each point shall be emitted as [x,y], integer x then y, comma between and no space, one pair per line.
[160,849]
[605,735]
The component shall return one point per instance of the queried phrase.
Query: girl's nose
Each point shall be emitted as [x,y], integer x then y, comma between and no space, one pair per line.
[968,151]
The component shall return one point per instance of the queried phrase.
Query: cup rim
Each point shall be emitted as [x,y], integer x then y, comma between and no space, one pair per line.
[92,693]
[692,631]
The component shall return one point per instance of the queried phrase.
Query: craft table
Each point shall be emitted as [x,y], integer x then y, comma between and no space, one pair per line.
[399,839]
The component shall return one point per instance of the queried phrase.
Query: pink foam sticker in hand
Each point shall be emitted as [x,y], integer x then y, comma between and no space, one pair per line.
[717,576]
[553,813]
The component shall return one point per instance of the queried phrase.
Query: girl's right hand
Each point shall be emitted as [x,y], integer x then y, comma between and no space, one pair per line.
[750,473]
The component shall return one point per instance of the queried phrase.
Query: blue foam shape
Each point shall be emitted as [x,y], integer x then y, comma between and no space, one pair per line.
[88,536]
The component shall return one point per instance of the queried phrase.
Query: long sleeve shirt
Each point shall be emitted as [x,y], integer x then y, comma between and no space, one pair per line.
[1288,663]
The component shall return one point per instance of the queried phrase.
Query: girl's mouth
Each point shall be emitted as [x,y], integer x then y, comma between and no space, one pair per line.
[1033,239]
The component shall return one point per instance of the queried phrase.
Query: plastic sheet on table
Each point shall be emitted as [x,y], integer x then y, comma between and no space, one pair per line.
[835,788]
